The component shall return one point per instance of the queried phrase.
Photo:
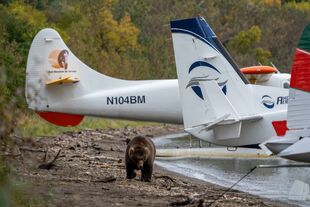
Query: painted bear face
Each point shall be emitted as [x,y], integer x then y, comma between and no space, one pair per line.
[138,155]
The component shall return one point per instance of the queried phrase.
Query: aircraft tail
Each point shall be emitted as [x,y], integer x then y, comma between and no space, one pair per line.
[299,96]
[55,76]
[213,90]
[294,143]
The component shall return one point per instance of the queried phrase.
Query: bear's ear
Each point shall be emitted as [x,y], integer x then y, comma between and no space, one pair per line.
[147,151]
[131,150]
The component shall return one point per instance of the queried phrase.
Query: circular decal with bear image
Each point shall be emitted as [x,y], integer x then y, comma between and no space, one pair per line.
[59,59]
[63,59]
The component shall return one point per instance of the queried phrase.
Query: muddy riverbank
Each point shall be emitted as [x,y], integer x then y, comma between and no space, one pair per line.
[90,171]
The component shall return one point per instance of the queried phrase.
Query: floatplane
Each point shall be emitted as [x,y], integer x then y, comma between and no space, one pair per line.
[214,99]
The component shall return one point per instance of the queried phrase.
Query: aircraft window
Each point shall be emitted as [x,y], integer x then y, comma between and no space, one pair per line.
[286,85]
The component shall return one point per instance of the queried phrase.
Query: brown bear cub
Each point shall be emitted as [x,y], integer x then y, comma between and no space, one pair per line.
[140,155]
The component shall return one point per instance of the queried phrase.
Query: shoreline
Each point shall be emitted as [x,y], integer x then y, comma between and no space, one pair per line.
[90,171]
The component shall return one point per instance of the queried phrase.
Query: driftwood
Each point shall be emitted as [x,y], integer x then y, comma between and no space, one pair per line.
[105,180]
[48,165]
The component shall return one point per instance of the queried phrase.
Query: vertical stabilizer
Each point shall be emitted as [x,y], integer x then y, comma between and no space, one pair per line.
[210,83]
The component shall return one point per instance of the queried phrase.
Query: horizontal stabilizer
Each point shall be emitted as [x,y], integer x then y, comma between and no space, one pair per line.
[62,80]
[219,132]
[278,144]
[298,151]
[223,128]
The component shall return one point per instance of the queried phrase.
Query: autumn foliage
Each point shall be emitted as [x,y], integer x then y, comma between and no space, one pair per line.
[131,39]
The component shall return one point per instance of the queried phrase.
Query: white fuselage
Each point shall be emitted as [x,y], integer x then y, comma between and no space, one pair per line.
[153,100]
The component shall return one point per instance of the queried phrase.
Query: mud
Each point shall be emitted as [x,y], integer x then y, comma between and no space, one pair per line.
[90,171]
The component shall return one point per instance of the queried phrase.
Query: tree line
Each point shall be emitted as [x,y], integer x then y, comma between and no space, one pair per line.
[131,38]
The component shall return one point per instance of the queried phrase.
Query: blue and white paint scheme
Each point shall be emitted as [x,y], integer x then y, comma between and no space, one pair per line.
[222,107]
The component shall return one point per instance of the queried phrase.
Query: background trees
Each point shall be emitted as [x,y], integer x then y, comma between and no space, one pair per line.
[131,39]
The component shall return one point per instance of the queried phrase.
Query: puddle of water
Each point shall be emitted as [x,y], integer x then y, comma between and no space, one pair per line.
[274,183]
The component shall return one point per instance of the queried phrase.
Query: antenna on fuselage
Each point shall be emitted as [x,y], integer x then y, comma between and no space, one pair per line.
[271,63]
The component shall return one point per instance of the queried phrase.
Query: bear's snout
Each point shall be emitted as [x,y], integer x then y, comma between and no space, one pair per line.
[140,164]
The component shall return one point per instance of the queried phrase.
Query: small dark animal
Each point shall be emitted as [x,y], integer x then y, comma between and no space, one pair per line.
[63,59]
[140,155]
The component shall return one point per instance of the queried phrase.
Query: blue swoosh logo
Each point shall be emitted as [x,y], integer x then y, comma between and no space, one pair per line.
[194,82]
[267,101]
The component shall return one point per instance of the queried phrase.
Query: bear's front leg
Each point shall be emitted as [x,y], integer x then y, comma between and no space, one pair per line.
[130,171]
[146,173]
